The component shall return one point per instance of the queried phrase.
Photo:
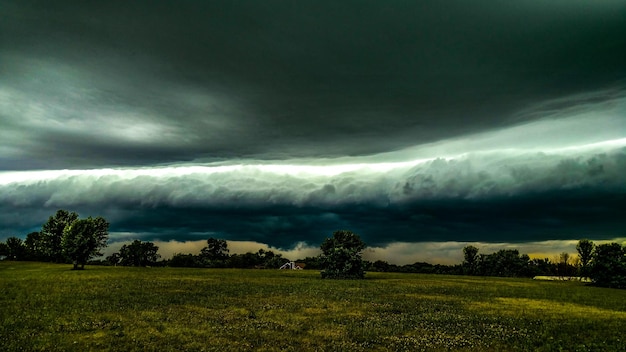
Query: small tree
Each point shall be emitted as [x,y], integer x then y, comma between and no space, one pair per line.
[585,252]
[34,246]
[341,256]
[4,249]
[470,254]
[139,253]
[113,259]
[215,253]
[83,239]
[564,266]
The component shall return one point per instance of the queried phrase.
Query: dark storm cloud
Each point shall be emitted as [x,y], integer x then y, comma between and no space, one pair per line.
[216,80]
[480,196]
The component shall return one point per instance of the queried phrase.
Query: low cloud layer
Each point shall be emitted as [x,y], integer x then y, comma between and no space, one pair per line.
[553,192]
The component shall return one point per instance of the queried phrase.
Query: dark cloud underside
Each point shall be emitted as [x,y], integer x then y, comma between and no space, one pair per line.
[310,78]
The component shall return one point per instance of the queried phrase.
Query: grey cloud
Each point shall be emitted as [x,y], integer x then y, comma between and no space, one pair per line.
[270,80]
[475,195]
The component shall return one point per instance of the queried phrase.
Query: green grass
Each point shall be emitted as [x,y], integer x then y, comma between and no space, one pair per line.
[48,307]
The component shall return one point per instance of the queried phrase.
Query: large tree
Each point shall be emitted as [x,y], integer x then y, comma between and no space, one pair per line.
[52,235]
[341,256]
[83,239]
[139,253]
[608,267]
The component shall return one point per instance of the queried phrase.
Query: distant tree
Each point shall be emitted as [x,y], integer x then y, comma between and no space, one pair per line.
[180,260]
[541,267]
[215,254]
[585,252]
[83,239]
[314,263]
[505,263]
[269,259]
[564,266]
[34,246]
[341,256]
[246,260]
[4,249]
[139,253]
[15,249]
[52,235]
[608,267]
[113,259]
[470,255]
[380,266]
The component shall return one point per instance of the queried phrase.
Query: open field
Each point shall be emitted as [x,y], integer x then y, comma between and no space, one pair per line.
[49,307]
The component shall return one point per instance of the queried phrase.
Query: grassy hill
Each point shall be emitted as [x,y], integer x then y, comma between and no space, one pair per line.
[49,307]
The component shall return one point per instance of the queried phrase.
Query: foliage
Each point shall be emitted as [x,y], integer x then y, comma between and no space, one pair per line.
[564,268]
[505,263]
[260,259]
[139,253]
[51,237]
[470,255]
[341,256]
[608,267]
[585,249]
[34,246]
[83,239]
[113,259]
[215,254]
[46,307]
[181,260]
[14,249]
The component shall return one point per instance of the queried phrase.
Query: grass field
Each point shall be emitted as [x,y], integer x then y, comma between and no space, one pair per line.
[48,307]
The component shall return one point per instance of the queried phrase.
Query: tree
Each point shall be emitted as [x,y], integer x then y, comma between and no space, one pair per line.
[184,260]
[506,263]
[215,253]
[34,246]
[608,267]
[563,266]
[83,239]
[52,235]
[470,254]
[4,249]
[139,253]
[341,256]
[15,249]
[113,259]
[585,252]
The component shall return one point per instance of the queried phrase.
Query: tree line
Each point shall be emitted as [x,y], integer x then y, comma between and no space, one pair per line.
[65,238]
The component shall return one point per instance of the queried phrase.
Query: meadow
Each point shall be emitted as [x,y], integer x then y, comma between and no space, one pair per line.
[48,307]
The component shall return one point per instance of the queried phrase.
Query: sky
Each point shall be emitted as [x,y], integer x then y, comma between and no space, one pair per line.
[422,126]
